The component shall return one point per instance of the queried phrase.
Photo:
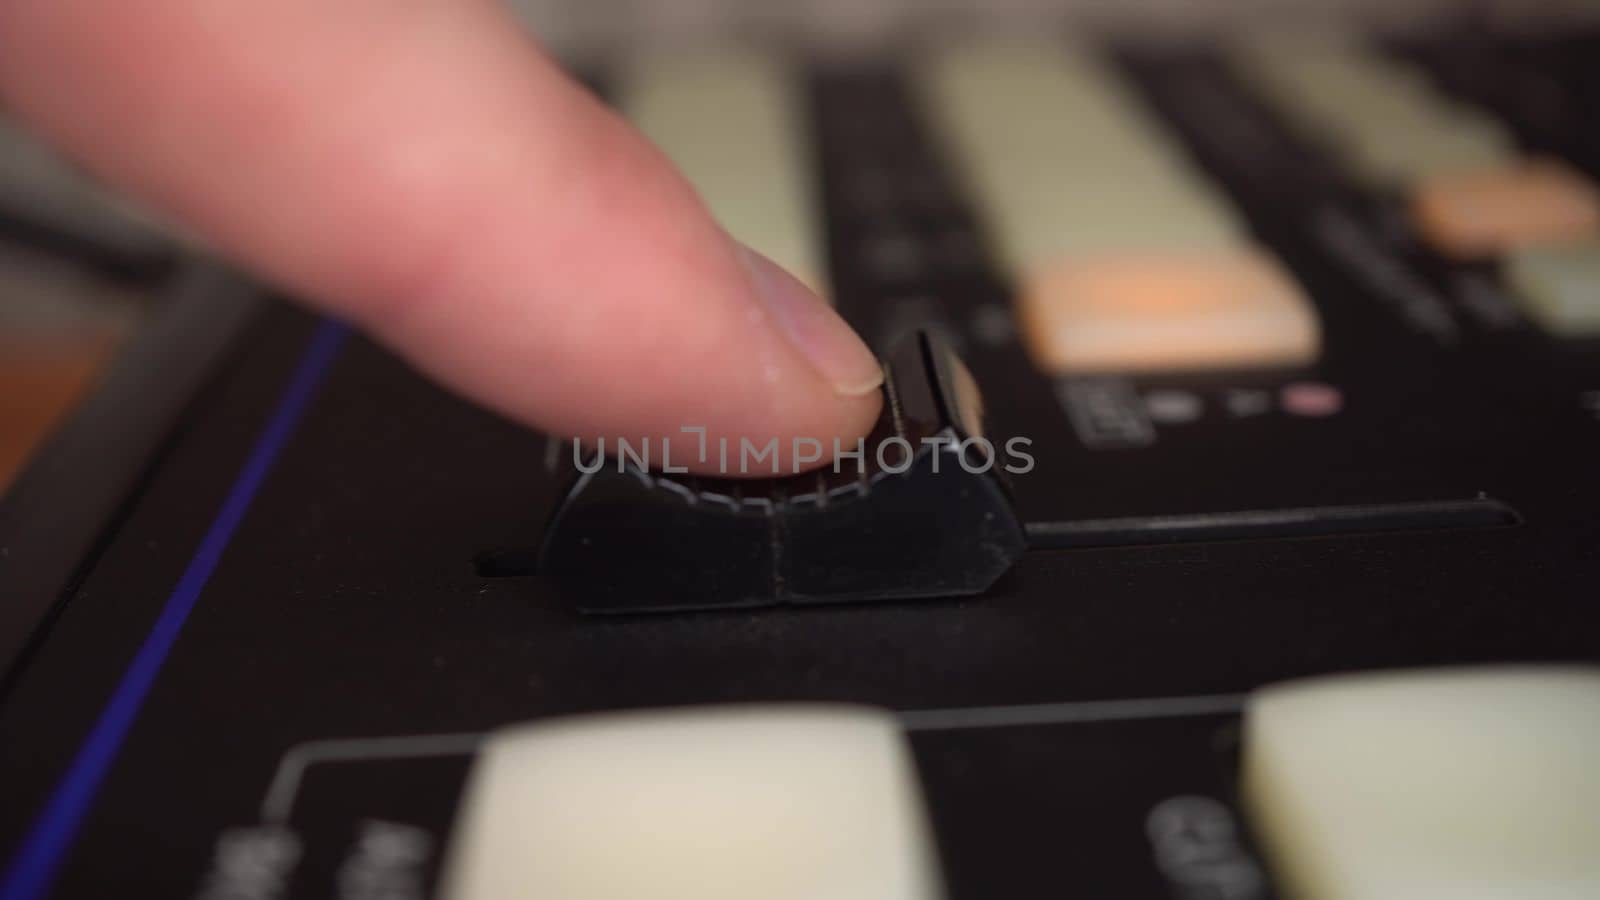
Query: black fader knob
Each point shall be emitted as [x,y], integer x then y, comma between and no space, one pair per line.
[924,510]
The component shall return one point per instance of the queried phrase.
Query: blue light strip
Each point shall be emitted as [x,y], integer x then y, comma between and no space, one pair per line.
[38,861]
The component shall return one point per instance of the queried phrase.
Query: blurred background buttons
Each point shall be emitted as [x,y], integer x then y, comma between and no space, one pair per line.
[1487,212]
[1559,286]
[1155,312]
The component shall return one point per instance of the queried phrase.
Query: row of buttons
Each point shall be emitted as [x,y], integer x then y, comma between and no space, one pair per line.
[1472,783]
[1126,259]
[1471,194]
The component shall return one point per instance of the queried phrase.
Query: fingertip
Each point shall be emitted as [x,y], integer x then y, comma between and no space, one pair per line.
[858,414]
[813,327]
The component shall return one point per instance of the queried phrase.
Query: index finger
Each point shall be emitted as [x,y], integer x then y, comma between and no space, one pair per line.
[424,170]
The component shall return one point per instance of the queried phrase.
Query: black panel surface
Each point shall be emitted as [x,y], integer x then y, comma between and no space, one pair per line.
[348,605]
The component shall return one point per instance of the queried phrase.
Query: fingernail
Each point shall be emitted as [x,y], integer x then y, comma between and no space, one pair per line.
[813,327]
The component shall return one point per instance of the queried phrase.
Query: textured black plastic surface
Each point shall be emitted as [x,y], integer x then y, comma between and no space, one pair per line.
[920,513]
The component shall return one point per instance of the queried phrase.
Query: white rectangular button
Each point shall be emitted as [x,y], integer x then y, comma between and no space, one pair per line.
[1559,286]
[1448,784]
[1381,116]
[772,802]
[1062,160]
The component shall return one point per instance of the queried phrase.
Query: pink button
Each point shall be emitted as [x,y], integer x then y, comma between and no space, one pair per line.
[1311,399]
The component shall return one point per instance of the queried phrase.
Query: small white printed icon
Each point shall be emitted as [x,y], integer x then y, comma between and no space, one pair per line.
[1167,407]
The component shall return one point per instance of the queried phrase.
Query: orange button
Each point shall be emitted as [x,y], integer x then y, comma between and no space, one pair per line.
[1148,312]
[1487,212]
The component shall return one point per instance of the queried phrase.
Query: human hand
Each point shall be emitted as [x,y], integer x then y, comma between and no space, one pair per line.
[425,171]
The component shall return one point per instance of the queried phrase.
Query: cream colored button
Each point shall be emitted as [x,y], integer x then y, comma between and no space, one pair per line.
[1060,158]
[1487,212]
[1449,784]
[1443,145]
[1559,286]
[773,802]
[1145,312]
[1331,86]
[1382,117]
[732,122]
